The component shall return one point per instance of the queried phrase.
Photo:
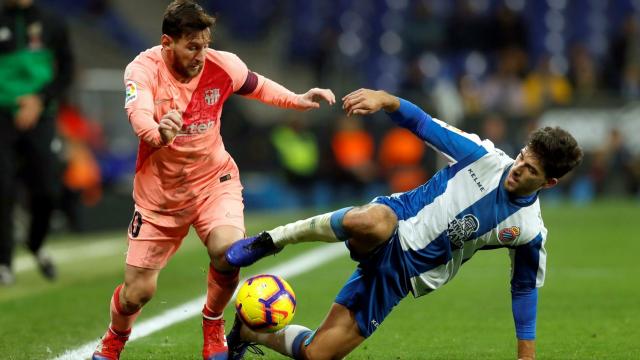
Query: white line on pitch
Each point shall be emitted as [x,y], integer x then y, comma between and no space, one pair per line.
[296,266]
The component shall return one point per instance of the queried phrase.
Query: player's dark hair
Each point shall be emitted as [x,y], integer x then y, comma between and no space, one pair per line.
[184,17]
[556,149]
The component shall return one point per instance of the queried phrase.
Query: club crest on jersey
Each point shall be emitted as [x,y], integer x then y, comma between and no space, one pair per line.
[509,234]
[460,230]
[211,96]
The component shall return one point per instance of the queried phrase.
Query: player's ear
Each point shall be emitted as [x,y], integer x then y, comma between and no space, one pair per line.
[166,41]
[550,182]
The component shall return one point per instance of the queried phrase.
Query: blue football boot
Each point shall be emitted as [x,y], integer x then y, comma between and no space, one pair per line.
[245,252]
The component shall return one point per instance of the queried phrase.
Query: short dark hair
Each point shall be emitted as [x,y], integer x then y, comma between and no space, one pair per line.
[557,150]
[184,17]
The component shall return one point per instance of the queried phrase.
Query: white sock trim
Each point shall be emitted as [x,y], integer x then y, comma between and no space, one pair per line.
[212,317]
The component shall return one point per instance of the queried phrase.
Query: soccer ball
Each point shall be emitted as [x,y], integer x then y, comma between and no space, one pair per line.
[265,303]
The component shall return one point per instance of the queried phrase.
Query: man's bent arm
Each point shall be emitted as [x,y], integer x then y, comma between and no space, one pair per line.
[140,106]
[146,128]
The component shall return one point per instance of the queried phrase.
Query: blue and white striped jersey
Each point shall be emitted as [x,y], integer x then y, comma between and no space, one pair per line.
[465,208]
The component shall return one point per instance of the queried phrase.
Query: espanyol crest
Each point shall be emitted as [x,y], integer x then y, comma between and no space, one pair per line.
[460,230]
[509,234]
[211,96]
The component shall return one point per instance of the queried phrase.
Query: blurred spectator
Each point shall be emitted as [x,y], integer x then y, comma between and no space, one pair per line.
[401,155]
[468,29]
[494,128]
[503,90]
[424,30]
[612,167]
[545,86]
[583,74]
[82,178]
[507,29]
[353,150]
[35,68]
[471,94]
[297,150]
[623,70]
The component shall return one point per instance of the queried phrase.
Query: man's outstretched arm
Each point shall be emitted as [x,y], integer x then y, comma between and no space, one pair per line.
[272,93]
[451,142]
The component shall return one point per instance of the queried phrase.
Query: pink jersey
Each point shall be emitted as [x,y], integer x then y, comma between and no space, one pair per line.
[169,178]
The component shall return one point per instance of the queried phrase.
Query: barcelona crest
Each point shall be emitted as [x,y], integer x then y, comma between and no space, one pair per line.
[211,96]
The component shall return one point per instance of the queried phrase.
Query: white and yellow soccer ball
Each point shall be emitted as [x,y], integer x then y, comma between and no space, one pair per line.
[265,303]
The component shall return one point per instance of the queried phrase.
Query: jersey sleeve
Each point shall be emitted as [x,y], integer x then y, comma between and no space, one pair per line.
[528,262]
[236,68]
[256,86]
[139,104]
[453,143]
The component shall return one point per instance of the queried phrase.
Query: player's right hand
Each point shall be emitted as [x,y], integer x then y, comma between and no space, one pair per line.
[30,109]
[366,101]
[170,125]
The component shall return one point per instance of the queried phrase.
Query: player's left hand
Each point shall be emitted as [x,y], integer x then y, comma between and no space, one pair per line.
[311,99]
[31,107]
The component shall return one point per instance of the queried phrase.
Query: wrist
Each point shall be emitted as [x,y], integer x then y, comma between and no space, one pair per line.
[526,349]
[390,103]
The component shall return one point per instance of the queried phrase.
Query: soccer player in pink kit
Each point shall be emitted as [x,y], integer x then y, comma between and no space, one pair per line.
[184,176]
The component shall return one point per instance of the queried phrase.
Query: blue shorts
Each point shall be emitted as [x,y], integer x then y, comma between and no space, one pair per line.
[377,285]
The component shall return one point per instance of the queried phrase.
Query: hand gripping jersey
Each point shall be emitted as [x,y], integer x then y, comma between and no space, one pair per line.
[464,208]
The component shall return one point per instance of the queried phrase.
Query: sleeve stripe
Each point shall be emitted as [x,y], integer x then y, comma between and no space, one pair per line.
[249,85]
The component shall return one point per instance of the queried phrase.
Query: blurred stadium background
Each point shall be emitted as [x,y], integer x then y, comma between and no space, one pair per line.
[495,67]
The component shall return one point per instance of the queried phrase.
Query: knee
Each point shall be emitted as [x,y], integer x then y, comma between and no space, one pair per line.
[134,296]
[373,221]
[312,352]
[219,260]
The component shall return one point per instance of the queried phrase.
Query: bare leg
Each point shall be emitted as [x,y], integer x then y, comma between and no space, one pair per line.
[138,288]
[336,337]
[222,278]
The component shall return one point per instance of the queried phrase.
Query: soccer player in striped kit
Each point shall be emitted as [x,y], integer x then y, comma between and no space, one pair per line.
[184,176]
[415,242]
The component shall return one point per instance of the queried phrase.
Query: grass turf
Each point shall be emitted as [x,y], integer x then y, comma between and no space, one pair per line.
[588,308]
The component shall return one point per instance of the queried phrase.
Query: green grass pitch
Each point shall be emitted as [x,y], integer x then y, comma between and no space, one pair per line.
[589,307]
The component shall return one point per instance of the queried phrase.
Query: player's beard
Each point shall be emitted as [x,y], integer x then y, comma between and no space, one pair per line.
[187,71]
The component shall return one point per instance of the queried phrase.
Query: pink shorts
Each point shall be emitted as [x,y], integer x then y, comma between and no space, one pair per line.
[155,236]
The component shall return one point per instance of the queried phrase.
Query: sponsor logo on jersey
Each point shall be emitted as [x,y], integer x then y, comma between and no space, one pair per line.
[509,234]
[211,96]
[476,179]
[131,92]
[196,128]
[460,230]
